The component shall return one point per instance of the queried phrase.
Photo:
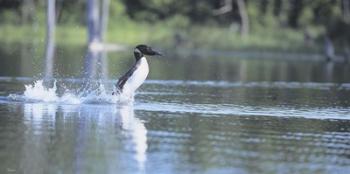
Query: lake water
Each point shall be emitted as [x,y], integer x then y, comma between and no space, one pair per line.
[194,114]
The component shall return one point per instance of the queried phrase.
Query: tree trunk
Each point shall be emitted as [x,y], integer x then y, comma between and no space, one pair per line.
[94,39]
[346,9]
[103,61]
[27,11]
[227,7]
[263,6]
[277,8]
[50,38]
[93,21]
[295,12]
[104,19]
[244,28]
[96,58]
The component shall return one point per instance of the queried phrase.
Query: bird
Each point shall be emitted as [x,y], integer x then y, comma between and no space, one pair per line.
[137,74]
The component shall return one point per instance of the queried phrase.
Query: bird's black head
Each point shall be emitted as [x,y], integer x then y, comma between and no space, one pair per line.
[141,50]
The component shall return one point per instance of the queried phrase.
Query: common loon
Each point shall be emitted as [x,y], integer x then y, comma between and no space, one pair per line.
[137,74]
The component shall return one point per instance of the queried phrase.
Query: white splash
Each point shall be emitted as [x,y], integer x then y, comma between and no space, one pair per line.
[37,92]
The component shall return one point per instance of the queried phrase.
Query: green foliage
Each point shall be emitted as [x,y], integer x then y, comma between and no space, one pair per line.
[194,36]
[178,22]
[10,17]
[116,8]
[274,24]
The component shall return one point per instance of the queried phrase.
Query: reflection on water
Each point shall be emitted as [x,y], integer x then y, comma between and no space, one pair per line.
[69,61]
[33,158]
[250,145]
[217,115]
[137,131]
[95,65]
[76,139]
[189,127]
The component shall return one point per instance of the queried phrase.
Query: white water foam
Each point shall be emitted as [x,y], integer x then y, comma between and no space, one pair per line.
[37,92]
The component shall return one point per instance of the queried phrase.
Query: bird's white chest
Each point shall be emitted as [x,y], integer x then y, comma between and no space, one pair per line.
[139,75]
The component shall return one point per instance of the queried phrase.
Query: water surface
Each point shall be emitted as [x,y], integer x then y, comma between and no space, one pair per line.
[221,115]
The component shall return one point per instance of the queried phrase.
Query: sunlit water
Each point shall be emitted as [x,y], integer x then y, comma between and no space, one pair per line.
[221,116]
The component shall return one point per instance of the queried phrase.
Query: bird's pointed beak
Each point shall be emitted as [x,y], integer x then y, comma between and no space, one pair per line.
[158,53]
[155,53]
[150,52]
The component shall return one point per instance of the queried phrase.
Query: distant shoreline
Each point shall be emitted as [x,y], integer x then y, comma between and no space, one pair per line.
[195,40]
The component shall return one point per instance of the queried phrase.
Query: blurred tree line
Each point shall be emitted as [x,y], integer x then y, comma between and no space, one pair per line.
[331,17]
[296,14]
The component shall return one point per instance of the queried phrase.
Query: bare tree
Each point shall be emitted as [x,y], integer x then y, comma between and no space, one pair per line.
[28,9]
[244,17]
[93,21]
[97,20]
[346,9]
[104,24]
[104,19]
[224,9]
[227,7]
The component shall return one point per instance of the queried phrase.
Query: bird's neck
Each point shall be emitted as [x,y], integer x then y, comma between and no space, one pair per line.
[138,55]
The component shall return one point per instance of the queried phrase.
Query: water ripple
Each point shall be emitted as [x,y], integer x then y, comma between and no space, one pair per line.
[227,109]
[219,84]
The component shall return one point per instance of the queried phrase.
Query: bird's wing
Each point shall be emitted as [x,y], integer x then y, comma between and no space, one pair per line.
[122,80]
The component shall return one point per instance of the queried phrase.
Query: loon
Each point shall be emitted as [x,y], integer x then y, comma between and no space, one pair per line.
[137,74]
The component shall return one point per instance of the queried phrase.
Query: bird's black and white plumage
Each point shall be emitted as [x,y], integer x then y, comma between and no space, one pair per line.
[137,74]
